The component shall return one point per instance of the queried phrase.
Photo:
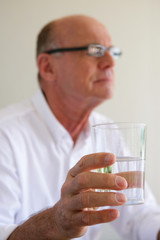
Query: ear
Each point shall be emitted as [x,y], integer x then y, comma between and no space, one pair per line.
[46,67]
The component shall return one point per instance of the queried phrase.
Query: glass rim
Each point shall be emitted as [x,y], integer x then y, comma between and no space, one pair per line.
[118,125]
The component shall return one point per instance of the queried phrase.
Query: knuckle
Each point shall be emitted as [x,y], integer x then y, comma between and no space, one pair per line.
[64,189]
[109,180]
[81,180]
[86,218]
[84,200]
[64,205]
[84,157]
[81,162]
[70,172]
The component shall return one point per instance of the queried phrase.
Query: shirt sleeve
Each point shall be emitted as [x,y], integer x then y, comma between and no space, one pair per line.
[9,188]
[139,222]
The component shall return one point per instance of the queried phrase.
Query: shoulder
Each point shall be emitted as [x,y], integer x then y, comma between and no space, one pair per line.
[13,113]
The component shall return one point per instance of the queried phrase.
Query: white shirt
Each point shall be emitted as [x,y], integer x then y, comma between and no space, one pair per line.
[36,153]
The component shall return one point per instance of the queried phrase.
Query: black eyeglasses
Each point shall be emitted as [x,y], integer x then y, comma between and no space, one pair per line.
[95,50]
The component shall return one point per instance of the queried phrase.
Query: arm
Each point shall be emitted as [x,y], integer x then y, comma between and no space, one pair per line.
[75,211]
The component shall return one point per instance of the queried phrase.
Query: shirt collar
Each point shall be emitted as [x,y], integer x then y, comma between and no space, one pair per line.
[57,130]
[55,127]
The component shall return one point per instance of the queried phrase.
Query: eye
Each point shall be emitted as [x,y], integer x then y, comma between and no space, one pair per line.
[96,51]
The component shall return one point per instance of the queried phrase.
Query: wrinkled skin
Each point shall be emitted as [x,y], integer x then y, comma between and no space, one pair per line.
[77,207]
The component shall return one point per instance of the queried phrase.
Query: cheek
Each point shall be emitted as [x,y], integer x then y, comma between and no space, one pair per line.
[82,79]
[88,75]
[78,74]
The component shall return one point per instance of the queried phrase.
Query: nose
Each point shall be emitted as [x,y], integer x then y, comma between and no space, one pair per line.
[106,61]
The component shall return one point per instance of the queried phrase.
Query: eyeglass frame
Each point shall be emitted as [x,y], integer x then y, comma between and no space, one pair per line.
[104,48]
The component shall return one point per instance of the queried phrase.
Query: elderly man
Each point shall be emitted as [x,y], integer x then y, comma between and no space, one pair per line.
[46,186]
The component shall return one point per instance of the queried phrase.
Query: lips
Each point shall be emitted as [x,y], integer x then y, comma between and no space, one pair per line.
[106,78]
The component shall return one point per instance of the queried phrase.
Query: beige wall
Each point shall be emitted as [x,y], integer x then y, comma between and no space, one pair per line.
[134,26]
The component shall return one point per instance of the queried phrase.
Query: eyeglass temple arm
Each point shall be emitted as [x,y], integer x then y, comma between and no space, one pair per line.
[66,49]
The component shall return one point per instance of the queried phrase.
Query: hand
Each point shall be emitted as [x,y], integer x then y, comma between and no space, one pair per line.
[76,208]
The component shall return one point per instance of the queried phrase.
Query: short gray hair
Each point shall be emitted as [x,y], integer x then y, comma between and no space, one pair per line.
[46,39]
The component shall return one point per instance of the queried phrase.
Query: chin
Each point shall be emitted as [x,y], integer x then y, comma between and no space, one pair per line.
[99,100]
[105,95]
[104,92]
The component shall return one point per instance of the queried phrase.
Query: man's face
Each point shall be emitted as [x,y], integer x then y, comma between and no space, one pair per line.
[84,77]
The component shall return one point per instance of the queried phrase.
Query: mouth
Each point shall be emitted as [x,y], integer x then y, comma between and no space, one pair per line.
[103,80]
[106,78]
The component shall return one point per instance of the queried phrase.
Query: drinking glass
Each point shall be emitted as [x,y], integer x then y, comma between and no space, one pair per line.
[127,141]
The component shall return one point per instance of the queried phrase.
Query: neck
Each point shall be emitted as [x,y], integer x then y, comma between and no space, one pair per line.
[72,114]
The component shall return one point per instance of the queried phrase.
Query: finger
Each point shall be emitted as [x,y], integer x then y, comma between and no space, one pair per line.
[88,218]
[135,179]
[95,199]
[87,180]
[92,161]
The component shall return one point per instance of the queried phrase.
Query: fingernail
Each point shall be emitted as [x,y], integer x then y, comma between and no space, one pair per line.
[120,197]
[121,182]
[108,158]
[115,214]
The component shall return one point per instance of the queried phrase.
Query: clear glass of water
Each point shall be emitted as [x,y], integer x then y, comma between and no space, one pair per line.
[127,141]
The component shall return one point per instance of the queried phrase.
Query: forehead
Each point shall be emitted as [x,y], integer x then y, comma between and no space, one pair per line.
[82,31]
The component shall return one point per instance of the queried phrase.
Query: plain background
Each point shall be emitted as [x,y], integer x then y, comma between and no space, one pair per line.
[134,27]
